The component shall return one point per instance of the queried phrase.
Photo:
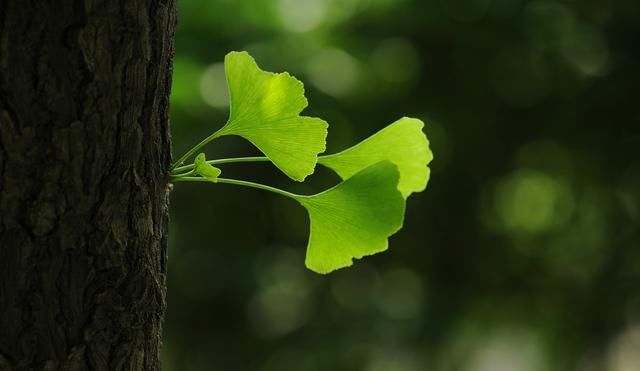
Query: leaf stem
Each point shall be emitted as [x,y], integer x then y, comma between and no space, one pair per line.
[195,149]
[243,183]
[176,174]
[224,161]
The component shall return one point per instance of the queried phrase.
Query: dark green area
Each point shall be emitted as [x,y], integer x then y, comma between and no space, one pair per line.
[522,254]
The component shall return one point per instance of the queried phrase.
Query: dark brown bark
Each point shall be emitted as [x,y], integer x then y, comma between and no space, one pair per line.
[84,153]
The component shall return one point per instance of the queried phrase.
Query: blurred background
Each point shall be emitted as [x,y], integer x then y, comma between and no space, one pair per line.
[523,254]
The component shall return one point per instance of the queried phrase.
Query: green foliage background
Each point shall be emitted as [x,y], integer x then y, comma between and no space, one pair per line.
[522,254]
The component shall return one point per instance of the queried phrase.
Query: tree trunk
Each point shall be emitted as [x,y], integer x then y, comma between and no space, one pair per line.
[84,153]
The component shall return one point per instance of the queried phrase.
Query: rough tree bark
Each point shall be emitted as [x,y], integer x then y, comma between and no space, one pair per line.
[84,153]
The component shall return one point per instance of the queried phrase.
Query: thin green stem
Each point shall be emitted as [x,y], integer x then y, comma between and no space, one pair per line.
[190,179]
[224,161]
[243,183]
[259,186]
[195,149]
[177,174]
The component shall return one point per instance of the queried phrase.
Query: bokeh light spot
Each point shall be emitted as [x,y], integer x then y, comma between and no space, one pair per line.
[531,202]
[624,352]
[302,16]
[507,351]
[553,26]
[587,51]
[281,305]
[213,86]
[334,72]
[547,23]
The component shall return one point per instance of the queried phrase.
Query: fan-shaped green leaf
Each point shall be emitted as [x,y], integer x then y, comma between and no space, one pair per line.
[265,109]
[354,218]
[402,143]
[205,169]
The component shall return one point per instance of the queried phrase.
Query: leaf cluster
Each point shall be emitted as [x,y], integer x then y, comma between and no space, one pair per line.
[354,218]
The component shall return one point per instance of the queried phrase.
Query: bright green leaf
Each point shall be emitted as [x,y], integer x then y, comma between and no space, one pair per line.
[206,170]
[354,218]
[265,109]
[402,143]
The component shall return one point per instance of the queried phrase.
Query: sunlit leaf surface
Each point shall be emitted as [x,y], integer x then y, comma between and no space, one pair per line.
[402,143]
[354,218]
[265,109]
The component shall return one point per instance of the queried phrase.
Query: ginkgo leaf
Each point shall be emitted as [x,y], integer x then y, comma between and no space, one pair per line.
[402,143]
[354,218]
[206,170]
[265,109]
